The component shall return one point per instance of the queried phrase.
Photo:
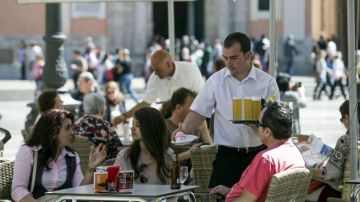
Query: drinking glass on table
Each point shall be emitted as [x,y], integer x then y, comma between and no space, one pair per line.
[184,173]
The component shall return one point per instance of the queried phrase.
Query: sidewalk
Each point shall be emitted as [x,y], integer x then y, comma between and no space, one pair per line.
[23,89]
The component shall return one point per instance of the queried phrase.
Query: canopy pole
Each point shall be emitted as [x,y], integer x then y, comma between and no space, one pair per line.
[352,89]
[171,28]
[272,31]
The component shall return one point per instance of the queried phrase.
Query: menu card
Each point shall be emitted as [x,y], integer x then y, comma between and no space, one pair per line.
[126,181]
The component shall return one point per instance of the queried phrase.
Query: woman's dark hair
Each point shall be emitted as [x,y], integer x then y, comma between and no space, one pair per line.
[153,131]
[177,98]
[46,100]
[238,37]
[278,117]
[283,80]
[344,109]
[45,134]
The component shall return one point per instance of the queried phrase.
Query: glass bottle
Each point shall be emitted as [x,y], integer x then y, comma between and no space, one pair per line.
[175,173]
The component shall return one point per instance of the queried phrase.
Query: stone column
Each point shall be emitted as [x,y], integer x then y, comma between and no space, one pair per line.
[217,23]
[55,71]
[130,29]
[241,16]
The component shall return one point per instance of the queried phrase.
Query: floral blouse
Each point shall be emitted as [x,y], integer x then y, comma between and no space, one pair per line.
[334,169]
[99,131]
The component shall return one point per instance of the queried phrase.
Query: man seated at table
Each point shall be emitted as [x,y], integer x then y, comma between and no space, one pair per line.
[274,130]
[174,111]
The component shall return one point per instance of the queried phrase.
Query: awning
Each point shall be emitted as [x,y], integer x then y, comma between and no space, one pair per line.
[89,1]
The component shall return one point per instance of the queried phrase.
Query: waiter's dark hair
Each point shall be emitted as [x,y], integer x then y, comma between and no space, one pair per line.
[238,37]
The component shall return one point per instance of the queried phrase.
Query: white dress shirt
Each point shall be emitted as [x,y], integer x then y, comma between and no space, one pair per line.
[186,75]
[217,94]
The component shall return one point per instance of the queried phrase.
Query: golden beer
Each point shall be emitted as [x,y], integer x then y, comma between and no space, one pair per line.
[248,108]
[256,108]
[237,109]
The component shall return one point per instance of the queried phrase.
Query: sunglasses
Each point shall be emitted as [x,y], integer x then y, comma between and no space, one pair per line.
[142,167]
[110,92]
[258,124]
[137,124]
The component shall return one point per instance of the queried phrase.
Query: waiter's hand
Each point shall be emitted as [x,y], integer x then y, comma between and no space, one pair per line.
[254,127]
[173,134]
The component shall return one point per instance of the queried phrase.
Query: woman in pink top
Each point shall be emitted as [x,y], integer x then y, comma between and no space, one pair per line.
[57,165]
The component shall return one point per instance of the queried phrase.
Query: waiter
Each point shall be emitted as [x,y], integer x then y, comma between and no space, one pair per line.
[237,143]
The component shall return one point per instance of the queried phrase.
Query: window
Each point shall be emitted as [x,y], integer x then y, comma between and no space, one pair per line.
[6,56]
[263,5]
[81,10]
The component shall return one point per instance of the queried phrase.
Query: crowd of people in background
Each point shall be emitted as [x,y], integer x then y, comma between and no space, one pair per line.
[117,65]
[329,69]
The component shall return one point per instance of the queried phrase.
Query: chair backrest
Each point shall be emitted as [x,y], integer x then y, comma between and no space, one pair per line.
[202,166]
[289,185]
[82,146]
[6,176]
[347,188]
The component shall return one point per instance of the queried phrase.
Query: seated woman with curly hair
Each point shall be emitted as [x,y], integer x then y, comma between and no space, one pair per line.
[57,165]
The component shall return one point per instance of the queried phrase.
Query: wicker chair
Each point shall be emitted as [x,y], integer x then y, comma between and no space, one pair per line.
[346,188]
[202,167]
[289,185]
[82,146]
[6,175]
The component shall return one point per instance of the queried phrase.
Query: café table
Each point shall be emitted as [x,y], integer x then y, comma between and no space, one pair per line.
[141,192]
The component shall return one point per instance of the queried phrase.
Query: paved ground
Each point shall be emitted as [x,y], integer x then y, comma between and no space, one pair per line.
[320,118]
